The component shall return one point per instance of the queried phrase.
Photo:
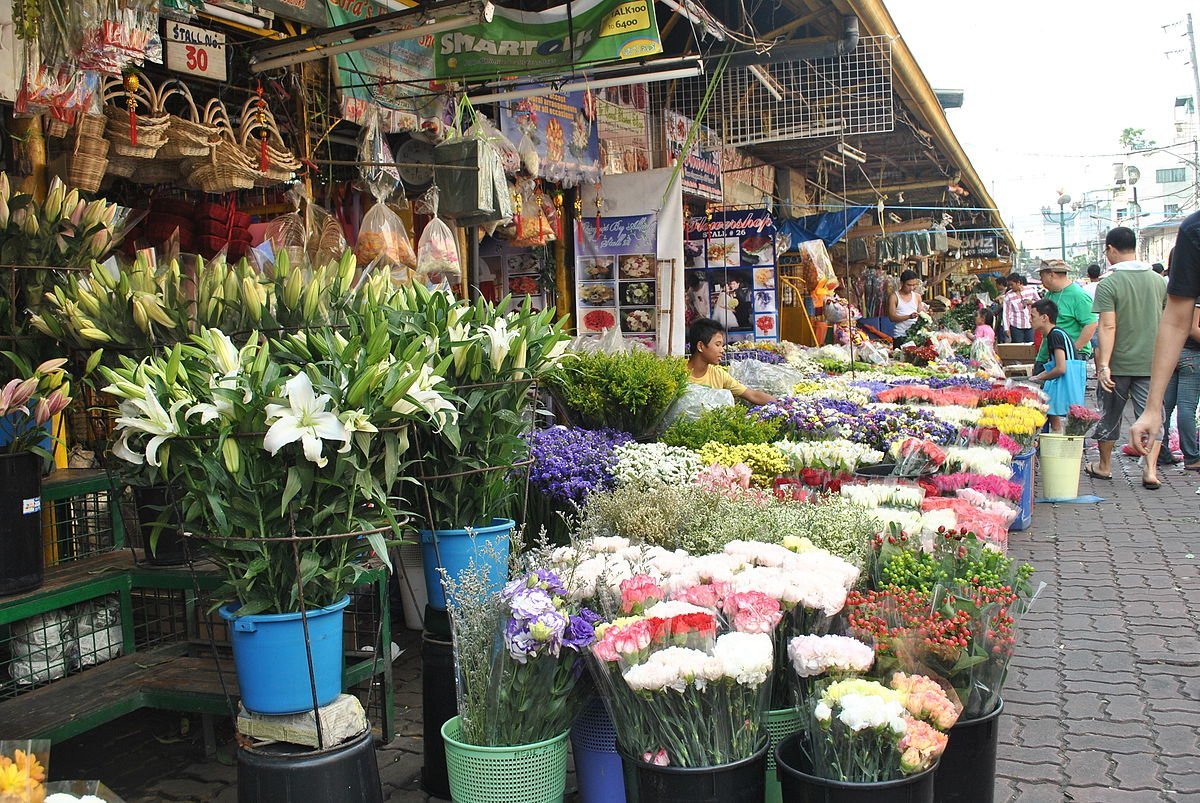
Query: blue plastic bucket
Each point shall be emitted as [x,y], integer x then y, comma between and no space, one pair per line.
[272,664]
[597,763]
[1022,474]
[457,548]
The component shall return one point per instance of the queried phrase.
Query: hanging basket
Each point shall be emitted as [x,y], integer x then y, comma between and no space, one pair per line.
[281,164]
[88,163]
[151,122]
[188,135]
[91,125]
[227,168]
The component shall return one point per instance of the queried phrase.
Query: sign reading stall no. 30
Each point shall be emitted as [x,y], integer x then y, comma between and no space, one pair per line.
[195,51]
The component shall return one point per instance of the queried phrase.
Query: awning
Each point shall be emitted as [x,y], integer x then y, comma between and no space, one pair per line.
[830,227]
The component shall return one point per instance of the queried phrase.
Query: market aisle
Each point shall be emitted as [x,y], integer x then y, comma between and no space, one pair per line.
[1105,694]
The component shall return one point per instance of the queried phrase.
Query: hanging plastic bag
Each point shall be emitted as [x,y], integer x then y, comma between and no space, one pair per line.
[697,400]
[533,226]
[325,242]
[437,251]
[286,232]
[382,237]
[377,168]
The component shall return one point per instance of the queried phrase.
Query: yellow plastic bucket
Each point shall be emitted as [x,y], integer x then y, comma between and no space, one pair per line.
[1060,457]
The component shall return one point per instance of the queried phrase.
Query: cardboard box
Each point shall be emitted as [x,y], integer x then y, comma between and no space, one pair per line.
[1016,352]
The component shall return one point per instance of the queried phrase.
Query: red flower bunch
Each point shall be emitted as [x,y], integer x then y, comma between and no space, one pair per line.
[990,436]
[676,630]
[823,480]
[920,355]
[896,618]
[1014,395]
[1080,419]
[902,394]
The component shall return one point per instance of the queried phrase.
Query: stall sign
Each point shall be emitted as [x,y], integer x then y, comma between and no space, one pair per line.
[616,276]
[395,77]
[980,246]
[730,274]
[522,41]
[701,175]
[562,128]
[310,12]
[624,138]
[195,51]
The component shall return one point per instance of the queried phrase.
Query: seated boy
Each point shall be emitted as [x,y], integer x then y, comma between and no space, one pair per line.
[706,338]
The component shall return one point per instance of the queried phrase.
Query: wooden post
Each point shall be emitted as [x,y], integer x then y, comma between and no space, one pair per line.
[28,163]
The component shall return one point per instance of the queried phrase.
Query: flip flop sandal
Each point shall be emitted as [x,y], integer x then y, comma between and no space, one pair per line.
[1192,467]
[1151,485]
[1096,475]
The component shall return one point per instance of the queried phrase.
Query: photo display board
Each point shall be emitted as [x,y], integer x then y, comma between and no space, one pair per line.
[616,277]
[730,274]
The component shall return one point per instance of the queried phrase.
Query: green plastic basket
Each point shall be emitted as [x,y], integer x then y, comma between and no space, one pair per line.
[781,723]
[530,773]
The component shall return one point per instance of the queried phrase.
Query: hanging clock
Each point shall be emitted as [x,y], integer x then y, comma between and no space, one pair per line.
[414,161]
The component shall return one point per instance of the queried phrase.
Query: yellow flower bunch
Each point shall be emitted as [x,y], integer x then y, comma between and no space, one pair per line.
[766,462]
[22,778]
[1014,420]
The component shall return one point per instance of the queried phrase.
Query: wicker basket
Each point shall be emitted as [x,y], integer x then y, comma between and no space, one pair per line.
[151,122]
[91,125]
[281,163]
[188,135]
[158,171]
[86,171]
[57,128]
[94,146]
[227,168]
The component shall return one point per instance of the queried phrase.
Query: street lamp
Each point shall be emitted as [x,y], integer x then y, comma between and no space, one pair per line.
[1063,200]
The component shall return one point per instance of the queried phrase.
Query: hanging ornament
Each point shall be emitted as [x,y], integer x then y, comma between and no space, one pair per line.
[599,206]
[579,216]
[558,214]
[132,82]
[516,196]
[263,161]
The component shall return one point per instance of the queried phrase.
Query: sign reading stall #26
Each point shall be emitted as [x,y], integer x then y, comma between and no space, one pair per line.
[195,51]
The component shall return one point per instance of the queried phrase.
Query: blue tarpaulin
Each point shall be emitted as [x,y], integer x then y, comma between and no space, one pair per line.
[828,226]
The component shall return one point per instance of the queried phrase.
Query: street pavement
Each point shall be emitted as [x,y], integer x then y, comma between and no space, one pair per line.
[1102,704]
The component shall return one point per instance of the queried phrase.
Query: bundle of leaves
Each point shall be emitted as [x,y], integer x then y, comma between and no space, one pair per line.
[629,392]
[732,426]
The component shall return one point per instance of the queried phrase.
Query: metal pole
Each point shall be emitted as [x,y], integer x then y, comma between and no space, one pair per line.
[1191,34]
[1062,230]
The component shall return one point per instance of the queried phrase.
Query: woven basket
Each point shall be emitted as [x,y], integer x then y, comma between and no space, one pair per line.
[91,125]
[188,135]
[151,122]
[158,171]
[94,146]
[57,128]
[86,171]
[124,166]
[227,168]
[282,164]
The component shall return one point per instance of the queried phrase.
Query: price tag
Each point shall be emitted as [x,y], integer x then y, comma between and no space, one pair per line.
[195,51]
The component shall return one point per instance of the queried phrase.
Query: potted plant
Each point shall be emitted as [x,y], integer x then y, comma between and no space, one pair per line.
[281,453]
[519,658]
[470,469]
[28,403]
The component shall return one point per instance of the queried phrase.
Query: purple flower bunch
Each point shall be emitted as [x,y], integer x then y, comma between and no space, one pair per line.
[937,383]
[880,428]
[762,355]
[569,464]
[538,621]
[808,418]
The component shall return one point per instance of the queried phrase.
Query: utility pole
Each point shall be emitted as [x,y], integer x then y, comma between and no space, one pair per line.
[1191,35]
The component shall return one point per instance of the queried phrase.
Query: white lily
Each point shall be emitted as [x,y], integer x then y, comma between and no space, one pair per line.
[460,334]
[500,340]
[305,419]
[149,416]
[224,355]
[557,353]
[423,397]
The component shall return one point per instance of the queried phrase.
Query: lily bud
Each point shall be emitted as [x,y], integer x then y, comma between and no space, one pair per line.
[139,316]
[232,455]
[52,209]
[29,226]
[5,191]
[250,298]
[95,335]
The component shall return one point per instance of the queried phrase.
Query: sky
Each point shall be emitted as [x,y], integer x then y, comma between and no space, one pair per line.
[1049,86]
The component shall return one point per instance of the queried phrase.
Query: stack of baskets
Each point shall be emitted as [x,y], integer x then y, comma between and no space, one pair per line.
[89,158]
[280,164]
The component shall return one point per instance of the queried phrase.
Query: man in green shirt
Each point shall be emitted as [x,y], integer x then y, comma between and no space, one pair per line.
[1129,302]
[1075,316]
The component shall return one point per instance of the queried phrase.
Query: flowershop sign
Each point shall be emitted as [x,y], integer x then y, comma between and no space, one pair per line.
[620,235]
[701,175]
[521,41]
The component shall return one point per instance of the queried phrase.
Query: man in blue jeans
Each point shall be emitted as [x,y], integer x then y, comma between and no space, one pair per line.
[1183,393]
[1017,324]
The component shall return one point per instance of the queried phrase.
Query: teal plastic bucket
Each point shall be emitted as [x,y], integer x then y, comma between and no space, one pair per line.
[457,548]
[272,664]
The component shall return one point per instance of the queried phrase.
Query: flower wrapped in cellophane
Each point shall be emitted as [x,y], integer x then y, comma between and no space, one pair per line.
[679,693]
[861,731]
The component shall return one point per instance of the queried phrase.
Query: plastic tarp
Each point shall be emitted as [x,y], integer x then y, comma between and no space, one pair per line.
[830,227]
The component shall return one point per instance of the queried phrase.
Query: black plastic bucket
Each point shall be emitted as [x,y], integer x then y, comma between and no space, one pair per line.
[800,787]
[876,471]
[21,563]
[967,770]
[740,782]
[439,703]
[288,773]
[156,512]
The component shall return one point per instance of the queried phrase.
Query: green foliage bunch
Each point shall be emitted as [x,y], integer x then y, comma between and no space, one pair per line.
[732,425]
[629,391]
